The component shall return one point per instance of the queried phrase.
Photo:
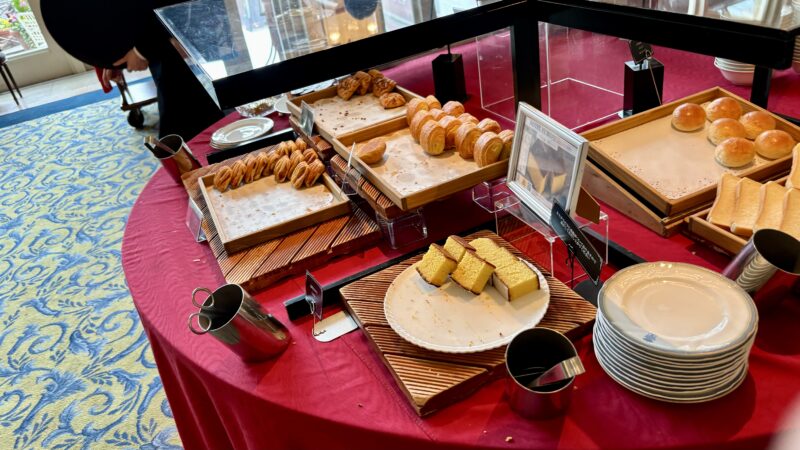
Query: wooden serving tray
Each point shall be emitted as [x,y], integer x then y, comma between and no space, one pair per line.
[366,190]
[335,117]
[672,171]
[433,380]
[265,209]
[260,266]
[408,176]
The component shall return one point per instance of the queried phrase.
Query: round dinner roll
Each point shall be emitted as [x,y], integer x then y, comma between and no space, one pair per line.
[757,122]
[688,117]
[722,129]
[735,152]
[723,108]
[774,144]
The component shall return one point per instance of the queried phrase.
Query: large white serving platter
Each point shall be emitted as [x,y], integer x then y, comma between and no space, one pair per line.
[453,320]
[242,131]
[678,309]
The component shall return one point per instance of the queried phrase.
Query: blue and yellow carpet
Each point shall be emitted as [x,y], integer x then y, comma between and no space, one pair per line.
[76,369]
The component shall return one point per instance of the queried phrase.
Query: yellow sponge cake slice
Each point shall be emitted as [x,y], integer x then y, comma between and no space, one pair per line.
[456,246]
[436,265]
[483,245]
[515,280]
[496,255]
[473,272]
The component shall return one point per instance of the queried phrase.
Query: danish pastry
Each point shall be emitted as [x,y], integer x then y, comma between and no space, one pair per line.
[467,117]
[392,100]
[347,87]
[432,138]
[453,108]
[382,86]
[433,102]
[364,80]
[508,143]
[487,149]
[294,159]
[261,162]
[309,155]
[282,169]
[414,106]
[437,114]
[291,147]
[375,74]
[250,172]
[282,149]
[272,158]
[418,121]
[450,125]
[299,174]
[372,152]
[222,179]
[489,125]
[300,144]
[466,135]
[315,170]
[238,170]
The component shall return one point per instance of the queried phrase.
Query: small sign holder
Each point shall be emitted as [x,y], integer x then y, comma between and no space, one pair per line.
[306,119]
[331,328]
[194,221]
[578,248]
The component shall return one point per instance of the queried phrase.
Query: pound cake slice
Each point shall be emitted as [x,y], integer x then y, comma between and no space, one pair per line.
[473,272]
[457,246]
[496,255]
[436,265]
[515,280]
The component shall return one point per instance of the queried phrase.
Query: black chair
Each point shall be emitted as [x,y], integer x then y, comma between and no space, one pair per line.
[6,73]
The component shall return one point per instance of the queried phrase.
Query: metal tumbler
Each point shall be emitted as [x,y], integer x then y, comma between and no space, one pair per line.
[180,161]
[530,353]
[233,317]
[766,252]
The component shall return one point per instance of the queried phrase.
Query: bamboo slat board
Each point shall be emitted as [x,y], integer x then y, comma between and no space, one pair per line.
[258,267]
[433,380]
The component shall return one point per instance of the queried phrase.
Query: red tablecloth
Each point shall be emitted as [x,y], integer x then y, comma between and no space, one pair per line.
[339,395]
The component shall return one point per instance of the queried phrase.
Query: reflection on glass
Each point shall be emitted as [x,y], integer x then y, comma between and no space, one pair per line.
[545,165]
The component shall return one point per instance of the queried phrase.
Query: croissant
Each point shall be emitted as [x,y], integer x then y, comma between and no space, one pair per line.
[282,149]
[487,149]
[432,138]
[467,117]
[382,86]
[372,152]
[315,170]
[222,179]
[291,147]
[282,169]
[450,125]
[453,108]
[261,163]
[432,102]
[466,136]
[437,114]
[238,170]
[250,171]
[309,155]
[415,105]
[347,88]
[294,159]
[299,173]
[300,144]
[418,121]
[489,125]
[365,81]
[508,143]
[272,158]
[392,100]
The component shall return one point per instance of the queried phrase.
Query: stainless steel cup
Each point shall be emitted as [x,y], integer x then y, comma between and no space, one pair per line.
[233,317]
[766,252]
[179,162]
[531,352]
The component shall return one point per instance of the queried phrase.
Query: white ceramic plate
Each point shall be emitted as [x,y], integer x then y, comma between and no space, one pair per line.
[453,320]
[678,309]
[242,130]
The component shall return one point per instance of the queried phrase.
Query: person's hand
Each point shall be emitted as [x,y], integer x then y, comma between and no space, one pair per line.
[109,75]
[133,61]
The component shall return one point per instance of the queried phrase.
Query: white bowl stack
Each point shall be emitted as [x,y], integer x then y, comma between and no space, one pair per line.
[796,59]
[674,332]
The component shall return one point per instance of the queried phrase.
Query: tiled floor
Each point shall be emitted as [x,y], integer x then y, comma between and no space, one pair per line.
[50,91]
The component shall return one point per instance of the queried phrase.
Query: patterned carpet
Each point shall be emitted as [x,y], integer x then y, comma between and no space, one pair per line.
[76,369]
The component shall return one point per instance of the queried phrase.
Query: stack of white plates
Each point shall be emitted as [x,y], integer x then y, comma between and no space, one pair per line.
[674,332]
[240,132]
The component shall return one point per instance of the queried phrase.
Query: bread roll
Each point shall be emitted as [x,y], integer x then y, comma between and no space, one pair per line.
[466,136]
[432,138]
[774,144]
[450,125]
[417,122]
[487,149]
[790,223]
[489,125]
[372,152]
[453,108]
[723,108]
[745,211]
[722,129]
[433,102]
[721,212]
[757,122]
[735,152]
[413,107]
[770,206]
[508,143]
[688,117]
[793,180]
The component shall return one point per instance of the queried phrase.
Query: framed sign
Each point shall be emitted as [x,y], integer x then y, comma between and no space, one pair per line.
[546,163]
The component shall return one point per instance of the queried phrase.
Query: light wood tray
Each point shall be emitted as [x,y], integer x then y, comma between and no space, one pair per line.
[265,209]
[407,175]
[671,170]
[335,117]
[433,380]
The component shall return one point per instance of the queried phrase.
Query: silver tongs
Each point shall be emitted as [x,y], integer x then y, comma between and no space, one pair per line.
[564,370]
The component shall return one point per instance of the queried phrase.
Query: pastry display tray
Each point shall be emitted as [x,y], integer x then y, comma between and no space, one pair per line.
[673,171]
[265,209]
[408,176]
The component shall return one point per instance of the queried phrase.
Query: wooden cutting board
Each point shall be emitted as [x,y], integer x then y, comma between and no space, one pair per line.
[433,380]
[257,267]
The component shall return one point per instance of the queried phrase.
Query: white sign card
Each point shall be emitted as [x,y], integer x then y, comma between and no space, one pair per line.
[546,163]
